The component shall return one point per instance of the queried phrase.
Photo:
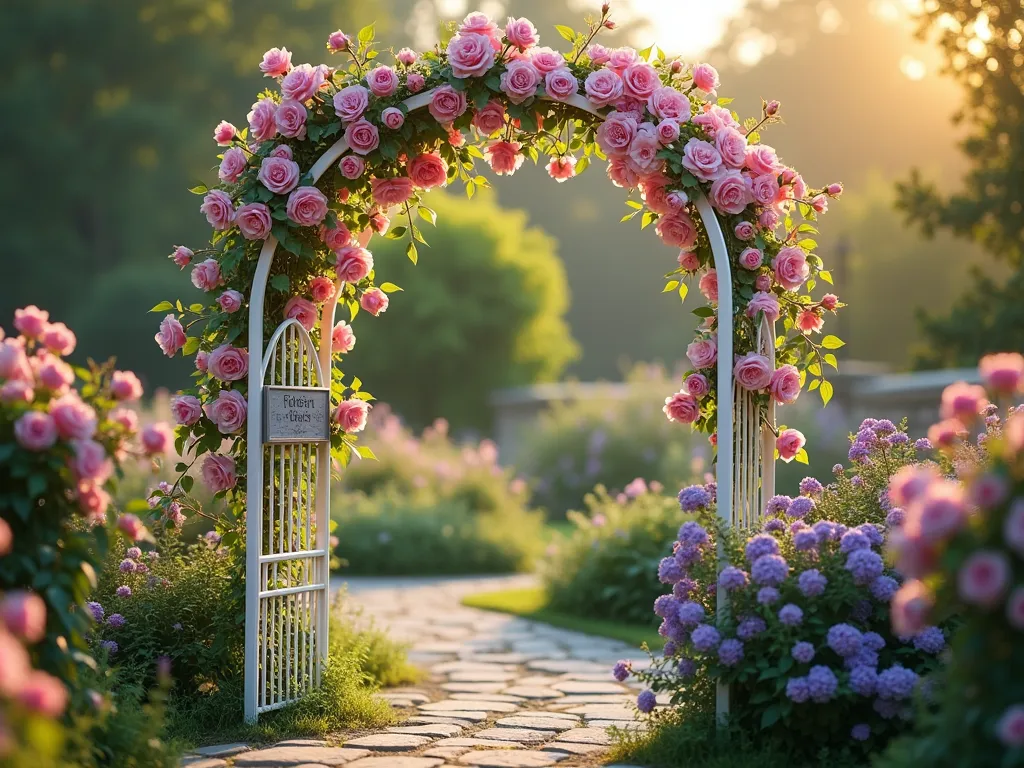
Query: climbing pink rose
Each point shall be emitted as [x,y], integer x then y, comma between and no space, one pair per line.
[351,415]
[219,472]
[321,288]
[1002,372]
[290,119]
[763,283]
[343,339]
[744,230]
[279,174]
[232,165]
[521,33]
[24,615]
[415,81]
[58,338]
[307,206]
[301,309]
[186,409]
[428,170]
[90,461]
[666,103]
[732,146]
[701,159]
[668,132]
[303,81]
[504,157]
[688,260]
[202,360]
[352,166]
[393,118]
[751,258]
[697,385]
[983,578]
[351,102]
[14,362]
[789,443]
[753,371]
[761,160]
[262,126]
[228,411]
[228,363]
[362,136]
[616,134]
[729,193]
[337,41]
[182,256]
[43,694]
[621,174]
[785,384]
[768,219]
[217,208]
[962,401]
[705,77]
[337,237]
[52,372]
[171,336]
[654,191]
[374,301]
[156,438]
[74,419]
[830,302]
[562,168]
[230,301]
[603,87]
[1010,727]
[643,151]
[224,133]
[354,263]
[254,221]
[910,608]
[791,268]
[560,84]
[682,407]
[447,104]
[708,285]
[491,118]
[702,353]
[15,391]
[390,192]
[947,433]
[276,62]
[35,431]
[407,57]
[382,81]
[519,81]
[206,275]
[470,55]
[808,321]
[621,58]
[714,118]
[764,189]
[764,302]
[639,81]
[125,386]
[547,60]
[598,54]
[677,230]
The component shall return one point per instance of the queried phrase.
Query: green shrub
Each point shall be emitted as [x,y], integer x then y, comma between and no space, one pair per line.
[607,568]
[391,534]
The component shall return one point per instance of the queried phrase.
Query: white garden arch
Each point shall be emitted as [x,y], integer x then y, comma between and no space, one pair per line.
[286,625]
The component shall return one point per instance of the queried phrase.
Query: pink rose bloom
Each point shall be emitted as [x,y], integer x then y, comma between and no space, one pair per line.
[206,275]
[456,137]
[53,373]
[182,256]
[702,159]
[547,60]
[90,462]
[254,221]
[983,578]
[785,384]
[307,206]
[24,615]
[504,157]
[279,174]
[639,81]
[202,360]
[219,211]
[677,230]
[764,189]
[616,134]
[479,24]
[337,41]
[93,501]
[682,407]
[751,258]
[6,539]
[791,268]
[157,438]
[125,386]
[230,301]
[753,371]
[343,339]
[603,87]
[702,353]
[763,283]
[35,431]
[74,419]
[1010,727]
[621,174]
[621,58]
[705,77]
[415,81]
[219,472]
[15,391]
[428,170]
[232,165]
[643,150]
[228,411]
[729,193]
[262,126]
[301,309]
[988,490]
[560,84]
[697,385]
[321,288]
[382,81]
[910,608]
[668,132]
[228,363]
[654,191]
[598,54]
[470,55]
[761,160]
[276,62]
[393,191]
[744,230]
[447,104]
[351,415]
[303,81]
[374,301]
[519,81]
[351,102]
[14,362]
[819,203]
[562,168]
[224,133]
[354,264]
[808,321]
[830,302]
[764,302]
[337,237]
[946,433]
[43,694]
[521,33]
[732,146]
[688,260]
[491,118]
[352,166]
[407,57]
[362,137]
[709,285]
[666,103]
[789,443]
[186,409]
[171,336]
[393,118]
[290,119]
[962,401]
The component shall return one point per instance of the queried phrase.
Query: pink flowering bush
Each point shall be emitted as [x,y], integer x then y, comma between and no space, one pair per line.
[961,548]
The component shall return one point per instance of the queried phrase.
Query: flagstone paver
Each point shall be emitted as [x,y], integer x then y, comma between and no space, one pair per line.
[499,691]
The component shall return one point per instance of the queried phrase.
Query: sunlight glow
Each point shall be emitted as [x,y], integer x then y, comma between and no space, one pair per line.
[914,69]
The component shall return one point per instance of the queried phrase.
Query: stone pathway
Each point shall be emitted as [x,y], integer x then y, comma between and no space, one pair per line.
[500,692]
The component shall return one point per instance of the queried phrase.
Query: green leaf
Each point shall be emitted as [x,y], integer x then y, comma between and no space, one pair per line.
[826,391]
[365,452]
[634,204]
[832,342]
[814,385]
[191,346]
[389,287]
[566,32]
[802,456]
[280,283]
[412,253]
[428,214]
[703,311]
[826,276]
[199,189]
[683,290]
[670,286]
[163,306]
[186,483]
[770,716]
[366,33]
[831,360]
